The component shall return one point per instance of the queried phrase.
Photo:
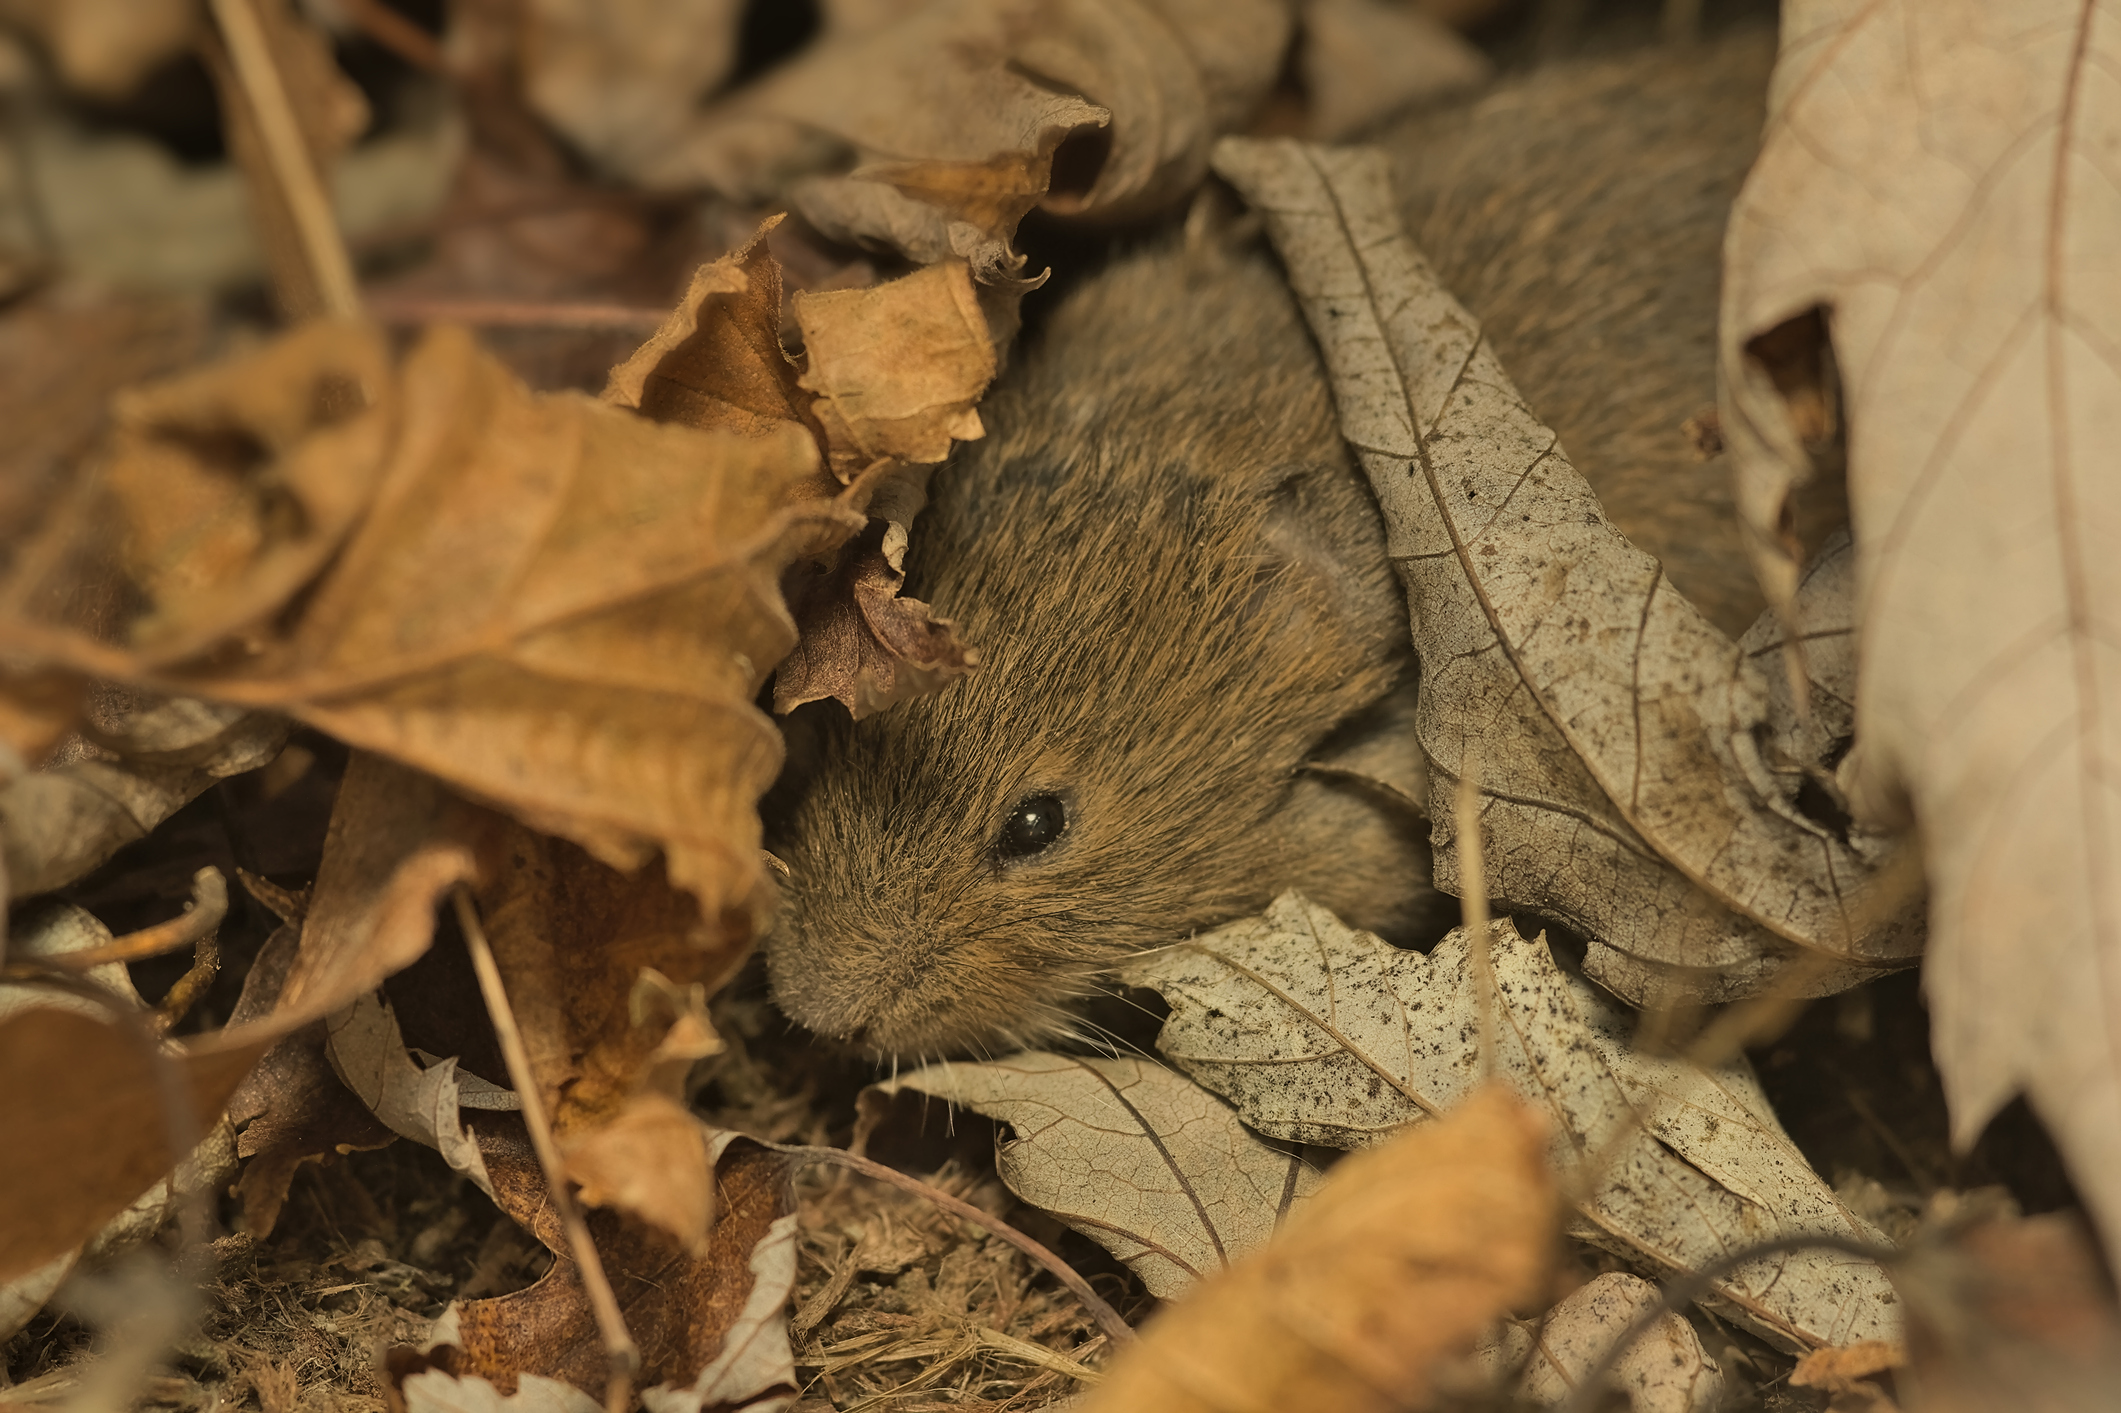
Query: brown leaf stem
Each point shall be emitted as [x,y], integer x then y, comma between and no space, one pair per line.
[199,920]
[315,225]
[1116,1329]
[619,1347]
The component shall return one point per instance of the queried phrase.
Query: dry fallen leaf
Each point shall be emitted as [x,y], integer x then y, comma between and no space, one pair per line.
[710,1325]
[1392,1270]
[1934,179]
[1623,791]
[1320,1034]
[291,1109]
[957,116]
[520,610]
[1155,1169]
[891,376]
[1664,1371]
[609,975]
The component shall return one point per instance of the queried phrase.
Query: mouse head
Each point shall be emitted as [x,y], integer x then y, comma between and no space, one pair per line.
[1149,554]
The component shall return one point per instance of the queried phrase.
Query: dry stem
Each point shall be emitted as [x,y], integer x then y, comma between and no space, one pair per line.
[288,155]
[619,1348]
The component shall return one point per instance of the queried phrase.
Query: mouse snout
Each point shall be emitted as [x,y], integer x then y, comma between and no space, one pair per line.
[882,994]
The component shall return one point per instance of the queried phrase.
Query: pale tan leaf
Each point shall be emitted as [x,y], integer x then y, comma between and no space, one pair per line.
[1938,179]
[1665,1371]
[1622,787]
[1320,1034]
[1371,1290]
[1153,1168]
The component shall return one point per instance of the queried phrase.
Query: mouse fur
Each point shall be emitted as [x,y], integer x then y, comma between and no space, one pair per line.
[1178,584]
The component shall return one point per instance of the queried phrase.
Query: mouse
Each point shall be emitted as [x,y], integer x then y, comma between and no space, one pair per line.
[1176,579]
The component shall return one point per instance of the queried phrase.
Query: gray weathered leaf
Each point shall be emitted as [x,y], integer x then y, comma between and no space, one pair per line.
[1321,1034]
[1940,180]
[1623,788]
[1150,1166]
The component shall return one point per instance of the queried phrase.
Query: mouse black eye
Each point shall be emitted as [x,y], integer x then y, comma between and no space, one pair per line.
[1032,826]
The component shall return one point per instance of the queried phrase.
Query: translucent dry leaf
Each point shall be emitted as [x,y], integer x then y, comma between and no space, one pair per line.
[1623,789]
[1152,1167]
[1321,1034]
[1372,1288]
[1939,179]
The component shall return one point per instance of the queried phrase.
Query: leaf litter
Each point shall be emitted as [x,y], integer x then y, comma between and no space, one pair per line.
[221,609]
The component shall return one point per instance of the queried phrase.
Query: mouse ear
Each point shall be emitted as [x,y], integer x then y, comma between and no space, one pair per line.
[1323,537]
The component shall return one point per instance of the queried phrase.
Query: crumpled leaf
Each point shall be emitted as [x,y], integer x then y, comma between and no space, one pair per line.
[1933,179]
[1320,1034]
[1664,1371]
[1373,1285]
[1156,1170]
[716,363]
[891,378]
[711,1325]
[897,367]
[59,823]
[552,604]
[414,1101]
[1622,788]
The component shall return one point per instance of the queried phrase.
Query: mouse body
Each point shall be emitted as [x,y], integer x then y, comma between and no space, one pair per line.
[1177,582]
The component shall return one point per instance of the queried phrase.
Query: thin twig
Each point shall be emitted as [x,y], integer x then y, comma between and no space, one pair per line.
[1473,897]
[288,155]
[1116,1329]
[201,917]
[623,1354]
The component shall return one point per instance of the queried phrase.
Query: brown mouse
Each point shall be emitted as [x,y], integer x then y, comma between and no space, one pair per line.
[1177,582]
[1178,585]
